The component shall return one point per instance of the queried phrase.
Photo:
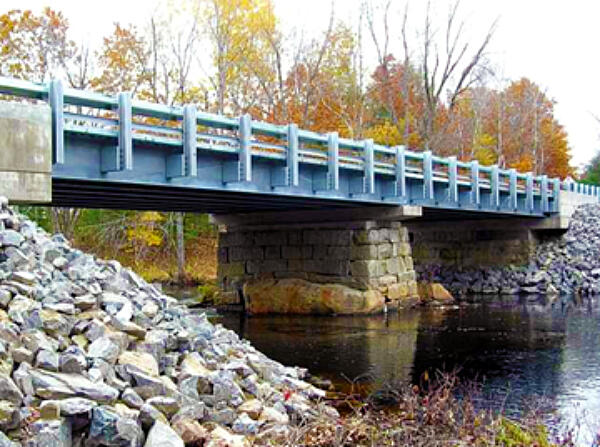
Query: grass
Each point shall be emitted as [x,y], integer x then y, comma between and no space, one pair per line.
[428,415]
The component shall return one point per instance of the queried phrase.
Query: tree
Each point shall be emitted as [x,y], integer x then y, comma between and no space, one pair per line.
[34,47]
[450,72]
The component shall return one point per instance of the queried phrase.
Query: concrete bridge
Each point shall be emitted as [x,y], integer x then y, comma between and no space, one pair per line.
[294,204]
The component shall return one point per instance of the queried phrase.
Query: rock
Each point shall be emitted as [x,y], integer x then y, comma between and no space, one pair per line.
[131,398]
[108,428]
[245,425]
[22,355]
[190,431]
[104,348]
[220,437]
[49,385]
[53,433]
[166,405]
[73,360]
[252,408]
[149,415]
[6,442]
[270,414]
[76,405]
[296,296]
[9,391]
[141,360]
[23,277]
[161,435]
[11,238]
[47,360]
[9,416]
[50,409]
[434,292]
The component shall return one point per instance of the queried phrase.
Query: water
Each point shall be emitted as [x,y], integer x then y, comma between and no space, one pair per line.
[518,349]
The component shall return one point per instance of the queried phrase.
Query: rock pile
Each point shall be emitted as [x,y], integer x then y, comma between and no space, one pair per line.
[92,355]
[569,264]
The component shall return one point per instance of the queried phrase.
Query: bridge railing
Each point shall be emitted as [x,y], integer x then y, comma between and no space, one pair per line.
[185,131]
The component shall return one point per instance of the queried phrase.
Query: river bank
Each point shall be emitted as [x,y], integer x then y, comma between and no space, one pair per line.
[562,265]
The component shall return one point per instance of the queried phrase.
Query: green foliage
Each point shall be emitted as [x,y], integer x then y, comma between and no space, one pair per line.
[592,171]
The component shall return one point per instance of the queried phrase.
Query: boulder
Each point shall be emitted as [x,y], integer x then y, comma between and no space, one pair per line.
[161,435]
[297,296]
[109,428]
[434,293]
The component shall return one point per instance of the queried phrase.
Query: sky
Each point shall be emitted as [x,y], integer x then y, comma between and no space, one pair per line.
[549,41]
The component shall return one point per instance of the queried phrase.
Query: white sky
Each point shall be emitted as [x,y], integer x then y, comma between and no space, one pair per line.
[549,41]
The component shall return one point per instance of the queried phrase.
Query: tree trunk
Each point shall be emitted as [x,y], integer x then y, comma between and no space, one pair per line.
[180,247]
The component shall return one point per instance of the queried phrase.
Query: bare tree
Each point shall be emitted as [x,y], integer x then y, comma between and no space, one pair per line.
[451,70]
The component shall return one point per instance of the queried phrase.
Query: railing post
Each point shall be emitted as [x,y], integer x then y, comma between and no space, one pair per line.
[190,126]
[544,193]
[452,180]
[292,155]
[475,198]
[428,193]
[529,192]
[512,182]
[125,131]
[369,166]
[245,136]
[495,187]
[56,101]
[333,164]
[556,194]
[400,173]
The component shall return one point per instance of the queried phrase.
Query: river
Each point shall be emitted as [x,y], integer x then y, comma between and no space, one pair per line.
[522,351]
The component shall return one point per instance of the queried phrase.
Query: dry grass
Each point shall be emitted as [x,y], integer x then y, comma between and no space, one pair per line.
[160,264]
[427,415]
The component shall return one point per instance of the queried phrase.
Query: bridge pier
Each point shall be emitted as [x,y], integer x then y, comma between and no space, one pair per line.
[336,262]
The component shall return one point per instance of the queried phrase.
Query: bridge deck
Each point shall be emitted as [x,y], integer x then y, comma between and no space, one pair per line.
[116,152]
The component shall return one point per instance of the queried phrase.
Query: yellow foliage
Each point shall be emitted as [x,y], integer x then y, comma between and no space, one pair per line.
[385,133]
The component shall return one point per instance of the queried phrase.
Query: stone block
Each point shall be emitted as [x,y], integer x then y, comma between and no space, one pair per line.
[367,237]
[398,291]
[274,265]
[307,252]
[391,266]
[338,252]
[270,238]
[387,280]
[403,233]
[384,250]
[245,253]
[232,269]
[327,237]
[294,237]
[409,275]
[233,239]
[253,267]
[319,252]
[273,252]
[408,262]
[368,268]
[413,289]
[291,252]
[363,252]
[404,249]
[296,265]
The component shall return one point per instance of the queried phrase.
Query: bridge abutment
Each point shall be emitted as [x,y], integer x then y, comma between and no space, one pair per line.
[319,267]
[25,153]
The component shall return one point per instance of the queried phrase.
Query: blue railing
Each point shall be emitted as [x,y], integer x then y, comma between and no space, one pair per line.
[445,181]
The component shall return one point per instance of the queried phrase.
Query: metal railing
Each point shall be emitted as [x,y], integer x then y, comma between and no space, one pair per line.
[188,131]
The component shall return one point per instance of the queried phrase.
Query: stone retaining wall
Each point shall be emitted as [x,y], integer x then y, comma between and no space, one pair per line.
[364,256]
[476,244]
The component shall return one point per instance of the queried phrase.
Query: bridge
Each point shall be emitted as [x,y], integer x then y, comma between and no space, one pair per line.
[278,188]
